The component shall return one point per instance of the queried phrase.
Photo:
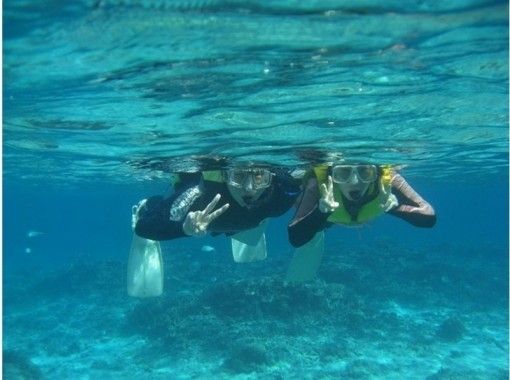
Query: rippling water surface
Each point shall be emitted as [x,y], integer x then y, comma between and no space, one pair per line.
[127,90]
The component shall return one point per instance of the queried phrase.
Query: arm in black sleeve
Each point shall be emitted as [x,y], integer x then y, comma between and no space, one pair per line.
[308,219]
[287,190]
[154,220]
[412,207]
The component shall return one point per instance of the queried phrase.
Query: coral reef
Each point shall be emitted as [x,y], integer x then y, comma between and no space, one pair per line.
[82,278]
[451,330]
[18,366]
[220,319]
[246,358]
[223,317]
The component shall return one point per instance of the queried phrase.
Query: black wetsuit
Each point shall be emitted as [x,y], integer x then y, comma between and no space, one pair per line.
[308,219]
[154,217]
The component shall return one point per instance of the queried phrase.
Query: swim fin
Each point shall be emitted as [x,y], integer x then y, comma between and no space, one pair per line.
[306,260]
[145,268]
[250,245]
[145,263]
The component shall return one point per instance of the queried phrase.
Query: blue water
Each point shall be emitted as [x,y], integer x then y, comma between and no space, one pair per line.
[102,100]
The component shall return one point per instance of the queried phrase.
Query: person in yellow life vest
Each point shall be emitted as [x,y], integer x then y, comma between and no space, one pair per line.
[352,195]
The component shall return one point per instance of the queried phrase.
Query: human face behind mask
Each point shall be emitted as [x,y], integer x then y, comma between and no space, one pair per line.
[354,180]
[247,185]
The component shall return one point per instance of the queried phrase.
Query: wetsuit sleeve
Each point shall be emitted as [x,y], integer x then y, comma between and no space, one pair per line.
[287,191]
[308,219]
[412,207]
[154,220]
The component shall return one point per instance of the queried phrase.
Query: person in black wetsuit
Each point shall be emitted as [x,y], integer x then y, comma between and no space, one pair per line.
[249,195]
[352,195]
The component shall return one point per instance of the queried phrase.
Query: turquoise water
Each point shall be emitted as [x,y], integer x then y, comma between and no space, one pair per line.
[103,99]
[101,85]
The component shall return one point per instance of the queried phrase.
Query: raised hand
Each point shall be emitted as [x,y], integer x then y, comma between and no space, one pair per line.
[327,201]
[391,199]
[197,222]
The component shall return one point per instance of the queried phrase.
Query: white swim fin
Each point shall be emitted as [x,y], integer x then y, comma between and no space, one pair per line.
[250,245]
[145,268]
[306,260]
[145,264]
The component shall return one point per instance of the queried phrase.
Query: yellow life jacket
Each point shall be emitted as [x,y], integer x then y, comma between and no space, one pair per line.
[174,179]
[213,176]
[369,210]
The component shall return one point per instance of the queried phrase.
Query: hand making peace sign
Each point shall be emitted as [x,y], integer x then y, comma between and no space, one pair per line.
[196,222]
[327,202]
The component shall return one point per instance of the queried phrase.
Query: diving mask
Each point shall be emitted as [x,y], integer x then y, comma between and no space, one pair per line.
[243,178]
[345,173]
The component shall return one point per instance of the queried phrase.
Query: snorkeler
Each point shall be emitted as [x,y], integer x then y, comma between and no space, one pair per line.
[249,196]
[348,195]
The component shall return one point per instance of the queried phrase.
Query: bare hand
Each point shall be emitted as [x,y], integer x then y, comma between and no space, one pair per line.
[197,222]
[391,199]
[327,202]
